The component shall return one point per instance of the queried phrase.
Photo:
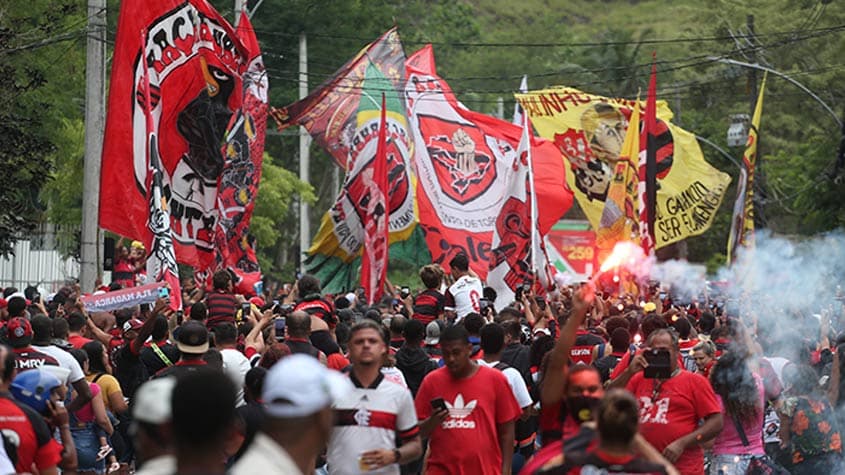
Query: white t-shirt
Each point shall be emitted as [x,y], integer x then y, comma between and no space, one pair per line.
[65,359]
[236,365]
[392,373]
[368,419]
[466,293]
[517,384]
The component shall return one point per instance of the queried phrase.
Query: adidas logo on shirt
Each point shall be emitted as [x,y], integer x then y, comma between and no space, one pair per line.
[458,411]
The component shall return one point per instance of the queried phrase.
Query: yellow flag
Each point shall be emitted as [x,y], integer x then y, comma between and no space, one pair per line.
[742,224]
[619,218]
[590,130]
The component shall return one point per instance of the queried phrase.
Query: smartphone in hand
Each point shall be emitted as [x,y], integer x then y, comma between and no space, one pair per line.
[438,404]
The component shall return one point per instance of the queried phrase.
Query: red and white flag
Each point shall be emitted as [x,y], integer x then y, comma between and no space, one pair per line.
[376,232]
[513,253]
[462,159]
[161,258]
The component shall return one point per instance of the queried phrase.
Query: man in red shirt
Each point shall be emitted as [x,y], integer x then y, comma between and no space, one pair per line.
[35,446]
[463,407]
[76,324]
[671,408]
[220,302]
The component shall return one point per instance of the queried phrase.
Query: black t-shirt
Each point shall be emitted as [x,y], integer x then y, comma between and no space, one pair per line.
[153,361]
[182,368]
[129,370]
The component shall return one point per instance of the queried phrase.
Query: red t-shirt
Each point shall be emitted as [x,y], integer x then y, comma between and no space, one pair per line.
[35,444]
[467,441]
[625,361]
[78,341]
[681,402]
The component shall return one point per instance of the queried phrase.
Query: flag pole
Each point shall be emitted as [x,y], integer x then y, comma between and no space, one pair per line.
[526,124]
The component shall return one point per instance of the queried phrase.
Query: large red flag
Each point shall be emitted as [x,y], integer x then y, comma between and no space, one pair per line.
[460,158]
[374,260]
[237,187]
[196,63]
[649,144]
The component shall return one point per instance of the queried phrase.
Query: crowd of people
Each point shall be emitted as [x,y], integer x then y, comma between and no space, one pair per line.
[583,378]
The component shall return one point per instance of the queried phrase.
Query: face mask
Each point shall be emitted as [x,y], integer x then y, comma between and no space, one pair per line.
[581,408]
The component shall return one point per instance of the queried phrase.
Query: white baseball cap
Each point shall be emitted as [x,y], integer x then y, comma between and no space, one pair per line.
[299,385]
[151,403]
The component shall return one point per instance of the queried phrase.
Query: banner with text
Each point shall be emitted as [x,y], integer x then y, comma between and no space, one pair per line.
[589,130]
[123,298]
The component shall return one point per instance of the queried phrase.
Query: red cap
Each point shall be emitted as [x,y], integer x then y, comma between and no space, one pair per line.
[257,301]
[132,324]
[18,329]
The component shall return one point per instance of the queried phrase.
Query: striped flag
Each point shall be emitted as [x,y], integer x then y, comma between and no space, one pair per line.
[647,195]
[374,261]
[742,224]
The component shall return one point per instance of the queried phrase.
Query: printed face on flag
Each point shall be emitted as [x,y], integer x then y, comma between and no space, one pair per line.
[589,131]
[593,148]
[195,87]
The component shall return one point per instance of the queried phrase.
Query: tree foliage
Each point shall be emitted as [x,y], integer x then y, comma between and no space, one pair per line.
[482,47]
[32,38]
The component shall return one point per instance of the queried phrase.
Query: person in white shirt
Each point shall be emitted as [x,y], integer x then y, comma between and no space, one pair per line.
[371,417]
[298,395]
[465,294]
[235,364]
[68,370]
[492,344]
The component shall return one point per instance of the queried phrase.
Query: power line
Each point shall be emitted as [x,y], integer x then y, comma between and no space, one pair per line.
[556,44]
[695,60]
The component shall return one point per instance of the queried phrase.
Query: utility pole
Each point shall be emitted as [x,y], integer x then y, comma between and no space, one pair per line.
[239,8]
[759,185]
[752,73]
[95,112]
[304,155]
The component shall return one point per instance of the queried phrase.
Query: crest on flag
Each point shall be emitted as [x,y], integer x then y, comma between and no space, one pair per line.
[462,170]
[342,229]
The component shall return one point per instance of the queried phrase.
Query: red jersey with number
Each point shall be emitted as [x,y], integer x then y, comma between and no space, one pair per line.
[671,410]
[467,441]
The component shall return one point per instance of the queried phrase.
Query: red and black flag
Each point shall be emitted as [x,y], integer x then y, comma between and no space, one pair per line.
[200,99]
[650,145]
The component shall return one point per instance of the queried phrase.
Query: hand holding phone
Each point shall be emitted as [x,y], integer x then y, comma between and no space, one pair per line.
[439,404]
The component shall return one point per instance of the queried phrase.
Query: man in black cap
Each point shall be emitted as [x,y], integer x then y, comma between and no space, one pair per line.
[192,343]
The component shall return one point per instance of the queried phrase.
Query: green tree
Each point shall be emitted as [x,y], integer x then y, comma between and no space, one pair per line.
[276,192]
[33,38]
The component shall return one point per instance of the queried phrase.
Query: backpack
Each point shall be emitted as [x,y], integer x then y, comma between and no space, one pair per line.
[524,430]
[605,365]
